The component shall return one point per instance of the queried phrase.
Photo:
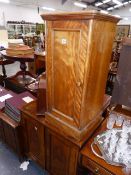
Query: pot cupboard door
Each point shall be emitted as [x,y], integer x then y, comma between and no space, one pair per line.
[67,74]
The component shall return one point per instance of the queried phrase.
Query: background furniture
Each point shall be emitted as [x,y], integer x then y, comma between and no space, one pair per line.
[10,133]
[38,66]
[113,67]
[122,31]
[23,77]
[121,93]
[4,62]
[95,164]
[40,62]
[18,28]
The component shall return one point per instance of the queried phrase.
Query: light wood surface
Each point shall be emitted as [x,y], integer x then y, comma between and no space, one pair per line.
[77,60]
[86,15]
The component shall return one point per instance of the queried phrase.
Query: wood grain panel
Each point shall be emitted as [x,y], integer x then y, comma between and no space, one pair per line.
[80,72]
[96,67]
[61,155]
[48,39]
[71,79]
[64,70]
[85,15]
[35,134]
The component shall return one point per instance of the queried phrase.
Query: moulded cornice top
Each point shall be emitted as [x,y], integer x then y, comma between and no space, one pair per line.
[84,15]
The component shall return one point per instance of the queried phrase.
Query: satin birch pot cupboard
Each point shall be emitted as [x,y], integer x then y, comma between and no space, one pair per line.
[78,52]
[78,47]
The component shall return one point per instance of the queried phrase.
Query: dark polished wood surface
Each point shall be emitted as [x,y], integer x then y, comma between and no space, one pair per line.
[31,110]
[40,62]
[33,133]
[4,62]
[38,65]
[10,133]
[41,95]
[22,77]
[61,154]
[20,58]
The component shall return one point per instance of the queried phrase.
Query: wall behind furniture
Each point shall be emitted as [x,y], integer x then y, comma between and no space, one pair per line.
[16,13]
[124,13]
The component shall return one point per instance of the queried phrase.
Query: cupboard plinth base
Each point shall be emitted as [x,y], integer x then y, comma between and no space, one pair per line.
[74,134]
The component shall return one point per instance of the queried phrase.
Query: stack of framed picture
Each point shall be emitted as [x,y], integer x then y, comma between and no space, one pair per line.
[122,31]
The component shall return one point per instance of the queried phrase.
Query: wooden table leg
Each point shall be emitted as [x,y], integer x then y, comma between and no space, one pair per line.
[4,71]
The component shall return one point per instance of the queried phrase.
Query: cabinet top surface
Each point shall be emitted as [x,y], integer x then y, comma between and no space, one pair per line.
[30,110]
[86,15]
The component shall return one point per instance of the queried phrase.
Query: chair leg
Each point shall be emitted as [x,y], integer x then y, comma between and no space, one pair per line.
[4,71]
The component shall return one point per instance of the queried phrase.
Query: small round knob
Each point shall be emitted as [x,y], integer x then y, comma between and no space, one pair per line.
[97,170]
[36,128]
[78,83]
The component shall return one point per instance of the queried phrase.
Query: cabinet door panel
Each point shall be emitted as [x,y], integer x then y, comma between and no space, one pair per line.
[64,76]
[66,69]
[36,141]
[61,155]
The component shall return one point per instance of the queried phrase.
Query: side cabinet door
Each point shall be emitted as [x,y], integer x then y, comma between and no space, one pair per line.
[35,132]
[61,155]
